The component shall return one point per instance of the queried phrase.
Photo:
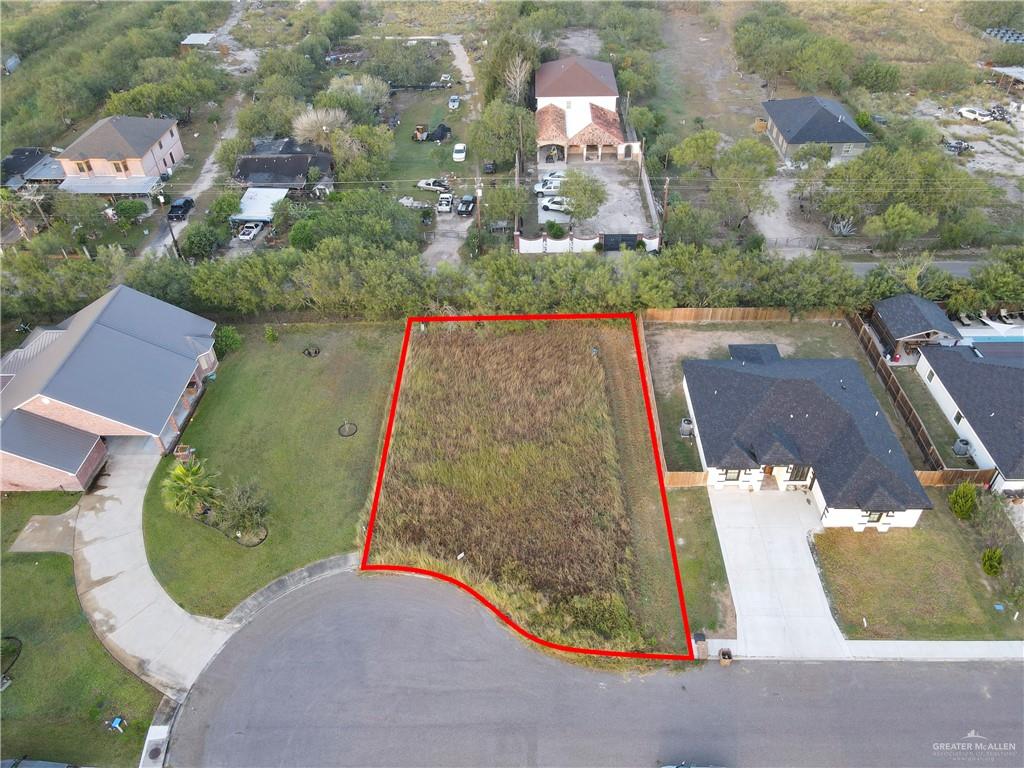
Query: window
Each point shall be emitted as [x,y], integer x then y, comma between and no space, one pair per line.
[568,104]
[732,475]
[171,155]
[798,473]
[931,375]
[847,149]
[120,166]
[172,133]
[84,166]
[160,143]
[165,162]
[874,517]
[958,418]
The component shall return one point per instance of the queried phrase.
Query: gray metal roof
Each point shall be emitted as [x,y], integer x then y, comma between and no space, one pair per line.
[118,137]
[989,392]
[758,409]
[45,442]
[110,185]
[907,315]
[814,119]
[126,356]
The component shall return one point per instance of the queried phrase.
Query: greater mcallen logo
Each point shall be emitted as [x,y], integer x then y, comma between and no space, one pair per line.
[974,744]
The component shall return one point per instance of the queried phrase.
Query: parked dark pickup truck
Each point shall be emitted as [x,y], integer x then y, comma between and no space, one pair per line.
[180,208]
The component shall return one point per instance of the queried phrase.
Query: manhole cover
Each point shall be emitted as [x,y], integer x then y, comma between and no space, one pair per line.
[154,753]
[347,429]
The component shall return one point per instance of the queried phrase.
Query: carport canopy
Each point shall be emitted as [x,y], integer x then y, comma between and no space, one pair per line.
[257,204]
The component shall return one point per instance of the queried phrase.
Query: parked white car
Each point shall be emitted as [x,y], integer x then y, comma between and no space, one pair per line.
[411,202]
[554,176]
[444,202]
[973,113]
[547,188]
[453,102]
[560,204]
[249,231]
[432,185]
[459,153]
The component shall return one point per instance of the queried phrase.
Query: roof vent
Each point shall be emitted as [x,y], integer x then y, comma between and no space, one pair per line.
[876,413]
[992,414]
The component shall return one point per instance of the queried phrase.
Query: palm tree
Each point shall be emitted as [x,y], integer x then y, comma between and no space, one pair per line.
[190,487]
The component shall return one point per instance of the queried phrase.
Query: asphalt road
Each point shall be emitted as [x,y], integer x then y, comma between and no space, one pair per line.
[397,670]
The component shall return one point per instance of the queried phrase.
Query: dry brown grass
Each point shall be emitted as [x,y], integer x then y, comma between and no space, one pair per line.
[518,446]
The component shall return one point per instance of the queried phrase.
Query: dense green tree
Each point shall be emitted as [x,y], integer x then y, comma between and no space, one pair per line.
[395,62]
[585,195]
[686,223]
[506,203]
[201,240]
[272,117]
[509,46]
[741,170]
[698,151]
[898,224]
[502,130]
[823,62]
[876,76]
[226,205]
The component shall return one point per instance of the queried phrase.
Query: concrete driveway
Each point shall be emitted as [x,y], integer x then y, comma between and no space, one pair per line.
[781,608]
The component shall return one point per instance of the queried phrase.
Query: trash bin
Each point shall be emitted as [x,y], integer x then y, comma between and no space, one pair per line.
[725,657]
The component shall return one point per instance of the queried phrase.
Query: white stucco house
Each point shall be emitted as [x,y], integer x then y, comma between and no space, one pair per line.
[578,113]
[771,424]
[980,390]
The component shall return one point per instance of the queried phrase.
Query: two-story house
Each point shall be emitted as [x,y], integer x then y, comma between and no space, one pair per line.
[577,113]
[122,155]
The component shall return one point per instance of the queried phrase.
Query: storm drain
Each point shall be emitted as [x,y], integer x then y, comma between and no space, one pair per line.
[347,429]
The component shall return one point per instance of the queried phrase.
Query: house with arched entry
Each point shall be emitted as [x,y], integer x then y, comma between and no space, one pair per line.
[578,114]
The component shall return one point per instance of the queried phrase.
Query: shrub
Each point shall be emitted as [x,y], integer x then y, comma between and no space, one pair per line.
[963,501]
[270,334]
[189,487]
[945,76]
[554,229]
[863,120]
[876,76]
[129,210]
[226,339]
[200,241]
[992,561]
[244,507]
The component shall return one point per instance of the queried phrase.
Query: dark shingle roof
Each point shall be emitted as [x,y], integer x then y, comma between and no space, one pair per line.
[126,356]
[814,119]
[989,392]
[20,160]
[576,76]
[118,138]
[758,408]
[280,162]
[908,315]
[45,442]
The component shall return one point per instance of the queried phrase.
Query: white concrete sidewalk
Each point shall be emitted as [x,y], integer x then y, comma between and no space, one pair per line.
[130,612]
[781,608]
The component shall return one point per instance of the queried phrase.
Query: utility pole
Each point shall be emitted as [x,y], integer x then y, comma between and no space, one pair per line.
[664,213]
[174,240]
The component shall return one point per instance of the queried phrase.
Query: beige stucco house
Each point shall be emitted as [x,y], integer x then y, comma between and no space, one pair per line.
[122,155]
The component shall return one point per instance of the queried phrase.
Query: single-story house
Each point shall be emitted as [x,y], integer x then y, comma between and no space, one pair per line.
[122,155]
[906,322]
[980,390]
[761,421]
[257,204]
[284,163]
[127,364]
[577,113]
[29,165]
[814,120]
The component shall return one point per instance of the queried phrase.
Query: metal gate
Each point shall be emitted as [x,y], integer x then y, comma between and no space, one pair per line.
[618,242]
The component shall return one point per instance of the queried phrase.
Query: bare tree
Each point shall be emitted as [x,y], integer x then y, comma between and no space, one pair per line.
[517,77]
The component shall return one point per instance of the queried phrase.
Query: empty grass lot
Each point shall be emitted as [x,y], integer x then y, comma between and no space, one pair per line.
[921,583]
[518,446]
[670,344]
[65,684]
[273,415]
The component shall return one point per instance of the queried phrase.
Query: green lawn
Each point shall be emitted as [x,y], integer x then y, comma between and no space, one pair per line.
[669,344]
[921,583]
[705,583]
[939,429]
[65,684]
[273,414]
[414,160]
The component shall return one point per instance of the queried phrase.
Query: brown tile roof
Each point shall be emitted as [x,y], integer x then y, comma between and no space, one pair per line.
[604,128]
[576,77]
[551,125]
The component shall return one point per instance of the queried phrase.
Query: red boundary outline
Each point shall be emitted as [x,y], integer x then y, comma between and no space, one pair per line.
[365,564]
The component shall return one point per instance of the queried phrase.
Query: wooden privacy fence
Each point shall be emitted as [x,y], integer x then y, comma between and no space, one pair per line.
[956,476]
[686,479]
[731,314]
